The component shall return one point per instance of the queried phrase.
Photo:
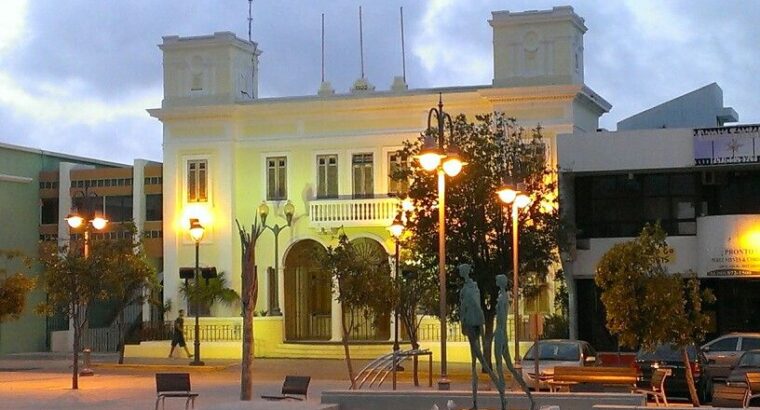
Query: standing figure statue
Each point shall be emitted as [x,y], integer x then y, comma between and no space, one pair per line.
[472,318]
[500,338]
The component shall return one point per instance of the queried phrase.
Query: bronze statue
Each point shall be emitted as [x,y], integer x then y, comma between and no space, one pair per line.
[500,339]
[472,318]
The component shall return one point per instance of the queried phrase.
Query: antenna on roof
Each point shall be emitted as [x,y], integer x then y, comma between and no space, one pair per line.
[323,47]
[403,55]
[361,41]
[250,20]
[252,95]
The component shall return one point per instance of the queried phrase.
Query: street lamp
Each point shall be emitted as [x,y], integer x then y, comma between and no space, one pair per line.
[434,157]
[289,209]
[396,229]
[75,221]
[196,233]
[512,195]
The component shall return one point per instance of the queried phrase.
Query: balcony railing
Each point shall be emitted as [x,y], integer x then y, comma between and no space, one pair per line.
[330,213]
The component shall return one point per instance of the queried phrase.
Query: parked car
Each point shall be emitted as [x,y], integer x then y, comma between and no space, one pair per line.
[724,352]
[552,353]
[668,356]
[748,362]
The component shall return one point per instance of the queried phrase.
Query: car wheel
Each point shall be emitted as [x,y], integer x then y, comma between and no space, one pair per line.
[706,392]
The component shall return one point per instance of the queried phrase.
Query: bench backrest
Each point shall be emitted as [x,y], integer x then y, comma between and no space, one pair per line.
[296,385]
[753,382]
[592,374]
[172,382]
[658,378]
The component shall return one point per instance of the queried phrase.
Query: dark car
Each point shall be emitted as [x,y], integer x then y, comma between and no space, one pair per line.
[670,357]
[749,362]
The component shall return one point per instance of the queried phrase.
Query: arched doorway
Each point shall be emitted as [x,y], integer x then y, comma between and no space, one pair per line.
[369,327]
[308,293]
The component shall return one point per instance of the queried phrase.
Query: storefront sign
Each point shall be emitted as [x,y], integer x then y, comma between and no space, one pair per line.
[729,246]
[727,145]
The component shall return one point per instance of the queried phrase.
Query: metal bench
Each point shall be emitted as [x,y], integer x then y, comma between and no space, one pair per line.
[728,396]
[174,385]
[753,387]
[657,387]
[598,377]
[292,385]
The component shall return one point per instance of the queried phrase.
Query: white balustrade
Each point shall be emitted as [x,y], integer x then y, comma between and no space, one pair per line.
[330,213]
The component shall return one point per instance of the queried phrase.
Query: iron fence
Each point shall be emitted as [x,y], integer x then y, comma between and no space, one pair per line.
[207,333]
[431,332]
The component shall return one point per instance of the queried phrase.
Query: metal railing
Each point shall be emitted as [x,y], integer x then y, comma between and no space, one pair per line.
[207,333]
[431,332]
[352,212]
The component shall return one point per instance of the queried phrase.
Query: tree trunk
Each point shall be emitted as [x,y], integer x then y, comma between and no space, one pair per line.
[248,299]
[75,347]
[689,378]
[488,342]
[122,336]
[346,351]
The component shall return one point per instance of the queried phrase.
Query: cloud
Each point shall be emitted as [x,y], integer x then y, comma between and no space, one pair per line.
[82,73]
[12,24]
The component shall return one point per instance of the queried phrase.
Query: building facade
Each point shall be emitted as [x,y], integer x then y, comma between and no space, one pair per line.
[39,189]
[702,185]
[329,155]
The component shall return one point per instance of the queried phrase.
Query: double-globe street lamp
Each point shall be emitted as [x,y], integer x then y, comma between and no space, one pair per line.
[196,233]
[289,209]
[513,195]
[396,229]
[434,157]
[75,220]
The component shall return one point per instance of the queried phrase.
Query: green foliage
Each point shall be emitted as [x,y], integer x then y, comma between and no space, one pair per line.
[14,287]
[556,327]
[210,291]
[364,285]
[478,227]
[115,270]
[645,305]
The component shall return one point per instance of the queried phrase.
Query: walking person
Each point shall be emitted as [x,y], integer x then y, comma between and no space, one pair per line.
[178,336]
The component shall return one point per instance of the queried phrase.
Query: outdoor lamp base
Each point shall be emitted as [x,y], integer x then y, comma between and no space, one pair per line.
[444,384]
[198,363]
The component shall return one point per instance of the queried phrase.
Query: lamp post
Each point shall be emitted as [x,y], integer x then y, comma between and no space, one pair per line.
[289,209]
[511,195]
[434,157]
[196,232]
[98,222]
[396,229]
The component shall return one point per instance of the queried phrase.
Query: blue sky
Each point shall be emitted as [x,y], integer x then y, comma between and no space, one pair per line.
[76,76]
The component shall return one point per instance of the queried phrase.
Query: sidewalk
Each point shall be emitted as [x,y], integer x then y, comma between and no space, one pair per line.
[43,381]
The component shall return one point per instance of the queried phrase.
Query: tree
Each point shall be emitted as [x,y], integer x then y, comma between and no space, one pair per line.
[248,299]
[210,291]
[417,293]
[364,287]
[14,287]
[645,305]
[129,278]
[478,228]
[74,282]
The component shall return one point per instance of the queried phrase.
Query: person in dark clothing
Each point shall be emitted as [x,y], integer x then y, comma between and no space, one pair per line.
[178,336]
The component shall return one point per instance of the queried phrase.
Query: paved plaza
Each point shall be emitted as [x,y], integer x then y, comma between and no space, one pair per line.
[43,381]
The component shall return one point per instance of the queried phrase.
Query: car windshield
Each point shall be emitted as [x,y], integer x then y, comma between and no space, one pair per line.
[750,359]
[667,353]
[560,351]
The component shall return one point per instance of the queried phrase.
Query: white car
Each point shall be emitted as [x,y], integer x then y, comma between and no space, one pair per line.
[555,352]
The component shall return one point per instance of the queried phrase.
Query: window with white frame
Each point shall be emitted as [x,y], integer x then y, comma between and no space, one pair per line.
[396,163]
[361,166]
[277,178]
[327,176]
[197,180]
